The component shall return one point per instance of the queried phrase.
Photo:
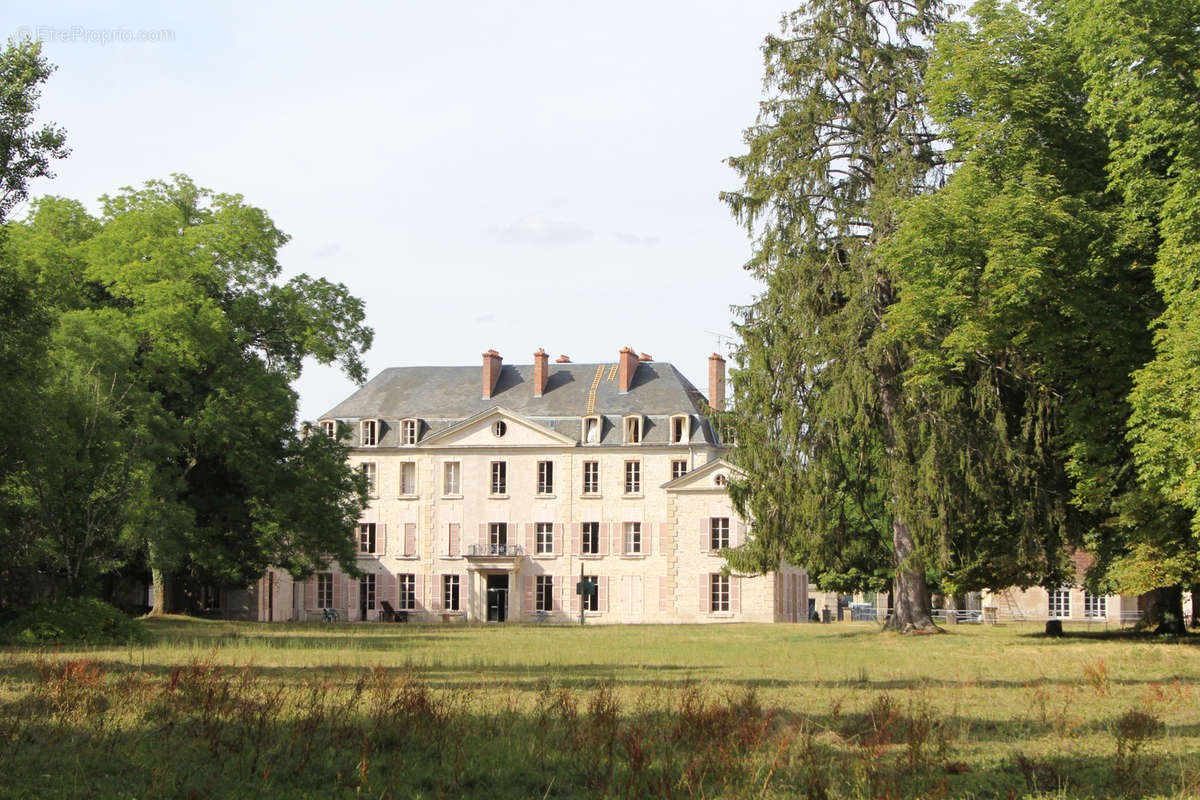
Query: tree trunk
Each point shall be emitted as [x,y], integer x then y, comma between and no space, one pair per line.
[162,586]
[913,611]
[1168,608]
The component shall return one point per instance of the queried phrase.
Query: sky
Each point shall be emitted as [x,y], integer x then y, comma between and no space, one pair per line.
[501,176]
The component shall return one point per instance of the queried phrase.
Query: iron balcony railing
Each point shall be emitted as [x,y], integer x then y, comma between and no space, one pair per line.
[497,550]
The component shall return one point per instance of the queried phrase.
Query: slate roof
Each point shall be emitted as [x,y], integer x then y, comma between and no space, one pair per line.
[442,396]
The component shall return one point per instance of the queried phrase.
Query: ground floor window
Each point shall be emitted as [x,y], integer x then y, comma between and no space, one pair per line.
[325,590]
[1095,605]
[366,589]
[719,592]
[450,589]
[591,538]
[545,593]
[591,602]
[1060,603]
[407,583]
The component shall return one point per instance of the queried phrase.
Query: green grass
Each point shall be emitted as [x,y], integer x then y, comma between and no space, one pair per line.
[243,709]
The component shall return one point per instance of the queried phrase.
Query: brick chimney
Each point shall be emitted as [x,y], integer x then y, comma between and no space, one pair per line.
[716,382]
[645,357]
[491,372]
[627,361]
[541,370]
[563,360]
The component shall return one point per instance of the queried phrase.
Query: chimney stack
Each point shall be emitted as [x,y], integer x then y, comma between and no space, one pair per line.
[627,361]
[541,368]
[716,382]
[563,360]
[491,372]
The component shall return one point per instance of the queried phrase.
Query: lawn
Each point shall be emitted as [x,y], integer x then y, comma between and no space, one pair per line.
[229,709]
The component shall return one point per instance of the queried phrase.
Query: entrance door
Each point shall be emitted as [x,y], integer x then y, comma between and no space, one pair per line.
[497,597]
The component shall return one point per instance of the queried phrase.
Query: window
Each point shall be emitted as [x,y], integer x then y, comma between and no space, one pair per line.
[408,431]
[499,477]
[591,477]
[407,584]
[498,536]
[1095,605]
[633,430]
[325,590]
[452,482]
[719,527]
[591,602]
[680,429]
[545,478]
[499,428]
[450,587]
[1060,603]
[678,468]
[720,480]
[719,593]
[633,538]
[545,593]
[369,470]
[591,538]
[544,544]
[366,537]
[591,430]
[633,477]
[369,432]
[366,591]
[408,477]
[329,428]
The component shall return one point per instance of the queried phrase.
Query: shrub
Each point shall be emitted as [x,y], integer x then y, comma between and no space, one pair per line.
[73,620]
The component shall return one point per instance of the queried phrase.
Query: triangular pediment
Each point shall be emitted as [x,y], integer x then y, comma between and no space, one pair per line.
[705,478]
[480,431]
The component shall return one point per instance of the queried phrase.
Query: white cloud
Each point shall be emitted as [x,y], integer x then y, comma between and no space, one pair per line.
[536,229]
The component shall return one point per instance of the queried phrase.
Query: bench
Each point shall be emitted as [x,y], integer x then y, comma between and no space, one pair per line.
[389,614]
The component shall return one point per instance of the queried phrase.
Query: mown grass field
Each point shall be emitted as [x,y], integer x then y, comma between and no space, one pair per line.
[219,709]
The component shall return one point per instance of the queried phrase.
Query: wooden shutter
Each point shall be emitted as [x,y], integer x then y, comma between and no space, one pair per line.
[435,592]
[529,543]
[419,591]
[603,598]
[310,592]
[410,539]
[381,539]
[705,599]
[735,594]
[352,588]
[529,593]
[570,587]
[556,592]
[605,533]
[664,593]
[455,536]
[576,538]
[556,547]
[705,535]
[386,590]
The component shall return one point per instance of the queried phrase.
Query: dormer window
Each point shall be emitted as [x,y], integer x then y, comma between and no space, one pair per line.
[370,432]
[720,480]
[680,429]
[633,430]
[408,431]
[591,430]
[329,428]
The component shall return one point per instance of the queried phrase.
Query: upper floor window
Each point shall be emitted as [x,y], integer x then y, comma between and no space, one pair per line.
[678,468]
[498,536]
[368,469]
[680,429]
[633,430]
[544,544]
[720,480]
[452,478]
[591,430]
[499,428]
[545,477]
[719,533]
[366,537]
[633,538]
[329,428]
[408,431]
[633,477]
[590,544]
[408,477]
[499,477]
[370,432]
[591,477]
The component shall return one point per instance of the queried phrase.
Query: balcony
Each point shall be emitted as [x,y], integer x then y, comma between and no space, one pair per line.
[500,550]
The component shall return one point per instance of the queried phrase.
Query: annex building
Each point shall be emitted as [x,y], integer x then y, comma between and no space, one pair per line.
[495,487]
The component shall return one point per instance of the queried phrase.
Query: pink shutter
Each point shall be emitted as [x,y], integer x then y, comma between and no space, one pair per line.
[381,539]
[387,591]
[419,591]
[576,538]
[339,591]
[735,595]
[570,587]
[410,539]
[605,533]
[705,588]
[352,585]
[603,598]
[529,593]
[705,535]
[556,599]
[455,535]
[556,544]
[664,593]
[310,592]
[648,538]
[529,549]
[435,592]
